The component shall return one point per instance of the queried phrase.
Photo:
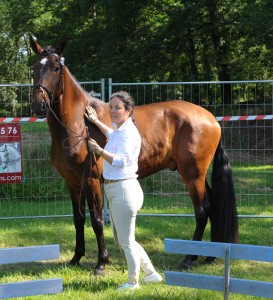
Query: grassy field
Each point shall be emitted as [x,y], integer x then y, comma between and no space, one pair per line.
[80,283]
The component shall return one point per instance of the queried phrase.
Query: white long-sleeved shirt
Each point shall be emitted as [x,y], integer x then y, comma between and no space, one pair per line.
[124,142]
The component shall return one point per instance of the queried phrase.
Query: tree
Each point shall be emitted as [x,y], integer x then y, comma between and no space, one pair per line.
[133,41]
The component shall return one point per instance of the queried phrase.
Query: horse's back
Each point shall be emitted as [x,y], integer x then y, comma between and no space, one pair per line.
[179,109]
[175,133]
[176,116]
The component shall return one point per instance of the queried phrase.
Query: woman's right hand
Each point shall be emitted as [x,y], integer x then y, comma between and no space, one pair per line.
[90,114]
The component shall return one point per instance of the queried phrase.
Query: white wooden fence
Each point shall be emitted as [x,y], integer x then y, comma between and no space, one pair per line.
[30,287]
[224,283]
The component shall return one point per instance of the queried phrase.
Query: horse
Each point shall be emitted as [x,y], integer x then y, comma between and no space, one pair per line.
[10,158]
[175,134]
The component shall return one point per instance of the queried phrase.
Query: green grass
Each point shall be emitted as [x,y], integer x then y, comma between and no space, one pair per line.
[80,283]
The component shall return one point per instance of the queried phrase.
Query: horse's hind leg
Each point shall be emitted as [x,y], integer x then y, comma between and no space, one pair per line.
[201,209]
[209,195]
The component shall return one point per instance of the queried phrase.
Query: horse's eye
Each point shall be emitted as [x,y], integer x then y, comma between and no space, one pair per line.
[57,69]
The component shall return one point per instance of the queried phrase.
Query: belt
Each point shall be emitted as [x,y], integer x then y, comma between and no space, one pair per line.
[106,181]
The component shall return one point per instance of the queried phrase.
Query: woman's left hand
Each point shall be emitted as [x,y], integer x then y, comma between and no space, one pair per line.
[92,146]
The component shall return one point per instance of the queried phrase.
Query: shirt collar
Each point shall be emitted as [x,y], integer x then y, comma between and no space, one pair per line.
[124,125]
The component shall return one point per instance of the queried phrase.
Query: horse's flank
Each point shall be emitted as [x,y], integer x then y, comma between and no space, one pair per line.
[161,140]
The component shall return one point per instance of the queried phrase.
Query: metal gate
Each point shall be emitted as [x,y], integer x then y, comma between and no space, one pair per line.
[247,135]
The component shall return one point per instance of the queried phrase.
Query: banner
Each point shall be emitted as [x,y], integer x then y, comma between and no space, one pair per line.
[10,153]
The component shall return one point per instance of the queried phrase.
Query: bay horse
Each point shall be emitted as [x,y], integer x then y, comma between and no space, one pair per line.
[175,134]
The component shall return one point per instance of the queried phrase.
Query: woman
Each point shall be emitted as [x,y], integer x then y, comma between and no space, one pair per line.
[121,187]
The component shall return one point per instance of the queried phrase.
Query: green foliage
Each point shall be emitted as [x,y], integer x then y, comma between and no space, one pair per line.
[137,41]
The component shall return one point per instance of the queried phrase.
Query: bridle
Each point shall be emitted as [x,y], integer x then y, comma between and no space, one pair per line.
[50,92]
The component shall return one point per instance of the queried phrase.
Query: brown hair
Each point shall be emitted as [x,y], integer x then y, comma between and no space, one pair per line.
[128,102]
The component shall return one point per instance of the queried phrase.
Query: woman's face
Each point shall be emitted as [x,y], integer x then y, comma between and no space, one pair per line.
[118,113]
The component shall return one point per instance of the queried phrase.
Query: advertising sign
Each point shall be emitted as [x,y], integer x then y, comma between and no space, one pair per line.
[10,153]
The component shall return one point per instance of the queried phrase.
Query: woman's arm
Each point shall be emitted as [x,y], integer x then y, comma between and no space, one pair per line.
[102,127]
[94,147]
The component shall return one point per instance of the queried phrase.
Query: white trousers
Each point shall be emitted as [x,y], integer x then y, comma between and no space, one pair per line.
[125,198]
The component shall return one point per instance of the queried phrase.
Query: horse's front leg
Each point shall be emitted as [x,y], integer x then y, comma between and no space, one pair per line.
[95,203]
[78,203]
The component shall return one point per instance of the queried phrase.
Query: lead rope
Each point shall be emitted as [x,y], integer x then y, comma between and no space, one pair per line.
[90,164]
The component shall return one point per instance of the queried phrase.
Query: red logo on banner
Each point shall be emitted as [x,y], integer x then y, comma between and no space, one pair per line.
[10,153]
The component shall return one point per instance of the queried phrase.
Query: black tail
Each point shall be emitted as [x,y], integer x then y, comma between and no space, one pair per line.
[224,221]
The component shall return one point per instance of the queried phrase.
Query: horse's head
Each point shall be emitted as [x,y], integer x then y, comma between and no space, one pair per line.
[47,75]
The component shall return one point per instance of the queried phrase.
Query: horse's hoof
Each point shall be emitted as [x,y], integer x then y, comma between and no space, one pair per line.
[187,262]
[185,265]
[99,271]
[75,261]
[72,264]
[209,260]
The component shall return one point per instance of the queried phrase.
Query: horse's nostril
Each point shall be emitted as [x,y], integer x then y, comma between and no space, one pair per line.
[43,106]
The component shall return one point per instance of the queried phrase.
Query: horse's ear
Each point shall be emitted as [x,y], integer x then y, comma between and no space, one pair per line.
[34,45]
[62,46]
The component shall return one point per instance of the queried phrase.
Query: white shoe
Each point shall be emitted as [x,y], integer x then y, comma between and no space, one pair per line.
[128,286]
[152,278]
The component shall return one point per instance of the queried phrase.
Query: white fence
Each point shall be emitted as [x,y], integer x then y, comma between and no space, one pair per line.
[246,121]
[224,283]
[30,287]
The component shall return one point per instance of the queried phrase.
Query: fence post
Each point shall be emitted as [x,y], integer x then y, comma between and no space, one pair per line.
[110,88]
[102,84]
[227,272]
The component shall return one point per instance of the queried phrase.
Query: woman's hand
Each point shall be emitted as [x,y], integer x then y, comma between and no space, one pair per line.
[93,146]
[90,114]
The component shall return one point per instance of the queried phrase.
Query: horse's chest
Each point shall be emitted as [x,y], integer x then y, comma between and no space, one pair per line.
[66,159]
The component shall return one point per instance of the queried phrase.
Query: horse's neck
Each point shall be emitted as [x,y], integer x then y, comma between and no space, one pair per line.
[68,114]
[74,98]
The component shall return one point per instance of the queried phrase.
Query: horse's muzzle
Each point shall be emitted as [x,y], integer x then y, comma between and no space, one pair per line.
[39,108]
